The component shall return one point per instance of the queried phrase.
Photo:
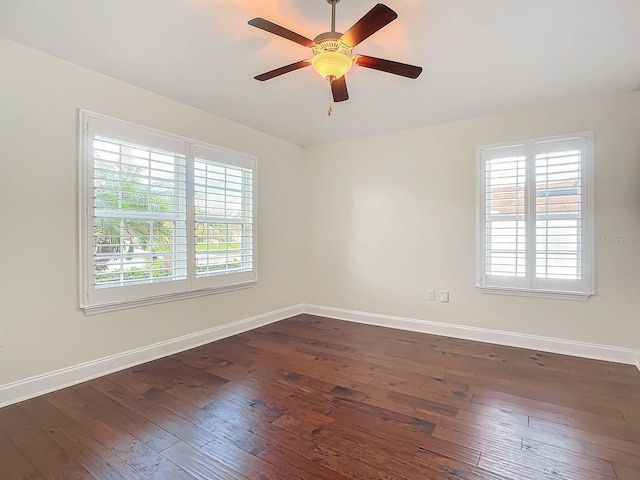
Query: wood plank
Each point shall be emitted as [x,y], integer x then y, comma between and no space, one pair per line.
[298,465]
[530,462]
[13,464]
[51,460]
[594,464]
[199,464]
[624,472]
[240,437]
[124,419]
[78,412]
[91,454]
[149,463]
[253,467]
[169,421]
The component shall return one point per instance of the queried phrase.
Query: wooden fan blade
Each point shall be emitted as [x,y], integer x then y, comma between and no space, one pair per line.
[271,27]
[339,89]
[374,20]
[397,68]
[282,70]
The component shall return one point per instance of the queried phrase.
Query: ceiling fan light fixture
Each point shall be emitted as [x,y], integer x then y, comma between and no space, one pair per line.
[331,64]
[332,51]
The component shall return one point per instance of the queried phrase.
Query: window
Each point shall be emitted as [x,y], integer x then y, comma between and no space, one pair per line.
[535,217]
[162,217]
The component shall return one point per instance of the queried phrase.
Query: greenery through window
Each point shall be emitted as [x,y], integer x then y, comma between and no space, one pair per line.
[139,234]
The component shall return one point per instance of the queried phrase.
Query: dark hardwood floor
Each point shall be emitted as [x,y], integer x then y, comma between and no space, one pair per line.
[315,398]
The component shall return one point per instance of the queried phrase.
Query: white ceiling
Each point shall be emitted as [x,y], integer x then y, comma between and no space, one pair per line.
[479,56]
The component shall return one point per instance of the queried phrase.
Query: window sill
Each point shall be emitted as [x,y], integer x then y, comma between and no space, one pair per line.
[517,292]
[113,307]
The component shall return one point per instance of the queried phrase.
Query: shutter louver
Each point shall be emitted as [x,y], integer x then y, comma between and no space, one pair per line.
[558,215]
[139,232]
[223,218]
[505,210]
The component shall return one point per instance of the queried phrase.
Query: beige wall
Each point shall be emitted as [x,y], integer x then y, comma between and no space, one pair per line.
[382,220]
[43,327]
[394,215]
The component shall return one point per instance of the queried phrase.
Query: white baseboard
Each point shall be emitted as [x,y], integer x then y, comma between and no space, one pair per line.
[48,382]
[532,342]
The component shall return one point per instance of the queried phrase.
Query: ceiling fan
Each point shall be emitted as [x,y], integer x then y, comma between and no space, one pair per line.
[332,56]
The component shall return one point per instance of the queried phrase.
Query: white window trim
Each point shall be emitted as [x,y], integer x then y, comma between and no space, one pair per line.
[587,227]
[193,289]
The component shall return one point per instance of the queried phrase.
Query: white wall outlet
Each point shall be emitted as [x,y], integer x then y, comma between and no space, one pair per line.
[288,284]
[431,294]
[444,295]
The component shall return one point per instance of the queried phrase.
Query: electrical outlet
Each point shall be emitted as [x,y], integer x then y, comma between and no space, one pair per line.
[431,294]
[288,284]
[444,296]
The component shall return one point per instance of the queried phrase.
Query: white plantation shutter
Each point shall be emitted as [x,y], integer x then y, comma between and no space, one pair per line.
[505,233]
[559,212]
[157,222]
[224,217]
[534,216]
[136,212]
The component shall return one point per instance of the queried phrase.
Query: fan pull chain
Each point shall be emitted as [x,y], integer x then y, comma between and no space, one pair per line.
[329,111]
